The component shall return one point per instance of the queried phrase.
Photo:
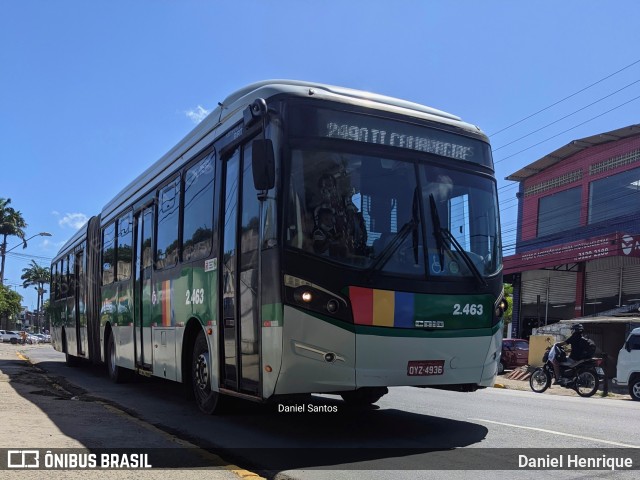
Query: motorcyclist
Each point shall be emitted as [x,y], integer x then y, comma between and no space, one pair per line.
[578,350]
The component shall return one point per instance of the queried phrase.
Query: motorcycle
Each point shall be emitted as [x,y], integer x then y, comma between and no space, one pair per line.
[584,376]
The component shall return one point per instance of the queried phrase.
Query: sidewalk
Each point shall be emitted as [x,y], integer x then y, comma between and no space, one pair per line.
[37,413]
[520,381]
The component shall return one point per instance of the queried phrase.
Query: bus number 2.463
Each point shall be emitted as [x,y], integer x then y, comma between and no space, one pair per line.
[195,297]
[467,309]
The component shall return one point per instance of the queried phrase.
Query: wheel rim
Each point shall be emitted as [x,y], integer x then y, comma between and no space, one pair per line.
[202,372]
[586,382]
[538,379]
[636,390]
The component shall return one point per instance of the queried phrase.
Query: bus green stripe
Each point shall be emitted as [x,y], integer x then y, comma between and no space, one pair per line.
[405,332]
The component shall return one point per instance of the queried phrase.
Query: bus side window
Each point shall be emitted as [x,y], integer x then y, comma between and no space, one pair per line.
[61,288]
[108,254]
[125,242]
[167,238]
[54,281]
[197,224]
[71,275]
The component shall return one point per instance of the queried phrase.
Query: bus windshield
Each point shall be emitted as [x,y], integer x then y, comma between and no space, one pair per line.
[373,213]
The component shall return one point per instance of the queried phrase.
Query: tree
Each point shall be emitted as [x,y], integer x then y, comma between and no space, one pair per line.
[37,276]
[12,224]
[48,313]
[10,304]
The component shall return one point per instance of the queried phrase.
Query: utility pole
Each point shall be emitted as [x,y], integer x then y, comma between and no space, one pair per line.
[4,251]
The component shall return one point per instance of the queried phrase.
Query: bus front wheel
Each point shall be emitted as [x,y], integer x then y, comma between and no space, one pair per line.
[208,401]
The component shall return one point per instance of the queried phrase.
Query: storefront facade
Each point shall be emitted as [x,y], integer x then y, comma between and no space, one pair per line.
[578,239]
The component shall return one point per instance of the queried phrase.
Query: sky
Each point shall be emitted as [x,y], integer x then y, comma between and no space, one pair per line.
[92,93]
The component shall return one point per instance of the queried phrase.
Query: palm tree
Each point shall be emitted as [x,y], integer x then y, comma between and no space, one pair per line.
[38,276]
[12,224]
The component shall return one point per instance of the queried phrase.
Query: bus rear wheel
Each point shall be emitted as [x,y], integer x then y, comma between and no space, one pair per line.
[69,360]
[208,401]
[364,397]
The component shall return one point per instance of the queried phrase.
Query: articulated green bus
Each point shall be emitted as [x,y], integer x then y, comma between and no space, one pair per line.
[303,238]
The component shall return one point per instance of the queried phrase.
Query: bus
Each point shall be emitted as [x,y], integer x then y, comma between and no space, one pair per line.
[303,238]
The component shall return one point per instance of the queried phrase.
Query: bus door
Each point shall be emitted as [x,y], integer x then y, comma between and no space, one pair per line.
[142,295]
[80,302]
[240,352]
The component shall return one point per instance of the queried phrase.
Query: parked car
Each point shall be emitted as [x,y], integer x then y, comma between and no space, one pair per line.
[11,337]
[43,338]
[515,353]
[628,367]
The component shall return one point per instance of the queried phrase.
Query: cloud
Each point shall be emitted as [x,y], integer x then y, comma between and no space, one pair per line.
[73,220]
[198,114]
[49,245]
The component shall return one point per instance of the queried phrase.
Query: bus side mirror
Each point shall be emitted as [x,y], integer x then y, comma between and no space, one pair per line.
[263,164]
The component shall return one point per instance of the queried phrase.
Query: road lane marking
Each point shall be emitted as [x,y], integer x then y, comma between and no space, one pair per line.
[22,357]
[617,444]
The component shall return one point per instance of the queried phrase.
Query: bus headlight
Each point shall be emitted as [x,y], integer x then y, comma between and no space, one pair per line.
[502,307]
[304,296]
[499,308]
[314,298]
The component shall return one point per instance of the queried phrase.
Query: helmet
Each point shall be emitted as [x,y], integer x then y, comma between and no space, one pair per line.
[577,328]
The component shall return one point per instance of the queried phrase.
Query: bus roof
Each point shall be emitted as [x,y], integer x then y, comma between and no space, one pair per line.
[230,111]
[73,242]
[341,91]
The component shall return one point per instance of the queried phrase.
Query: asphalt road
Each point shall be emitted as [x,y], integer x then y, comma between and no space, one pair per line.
[409,433]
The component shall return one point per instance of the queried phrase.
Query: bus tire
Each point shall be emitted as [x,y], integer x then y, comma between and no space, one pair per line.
[116,374]
[208,401]
[364,397]
[69,360]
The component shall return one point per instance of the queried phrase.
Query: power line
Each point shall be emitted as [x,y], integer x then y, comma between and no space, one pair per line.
[27,256]
[566,116]
[565,98]
[568,130]
[530,224]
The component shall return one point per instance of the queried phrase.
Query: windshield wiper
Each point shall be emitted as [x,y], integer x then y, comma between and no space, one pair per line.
[399,238]
[388,251]
[442,233]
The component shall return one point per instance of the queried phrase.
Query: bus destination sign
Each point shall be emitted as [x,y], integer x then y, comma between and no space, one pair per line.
[372,129]
[359,133]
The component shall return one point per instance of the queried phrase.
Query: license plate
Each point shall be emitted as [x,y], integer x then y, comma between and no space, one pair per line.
[422,368]
[599,371]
